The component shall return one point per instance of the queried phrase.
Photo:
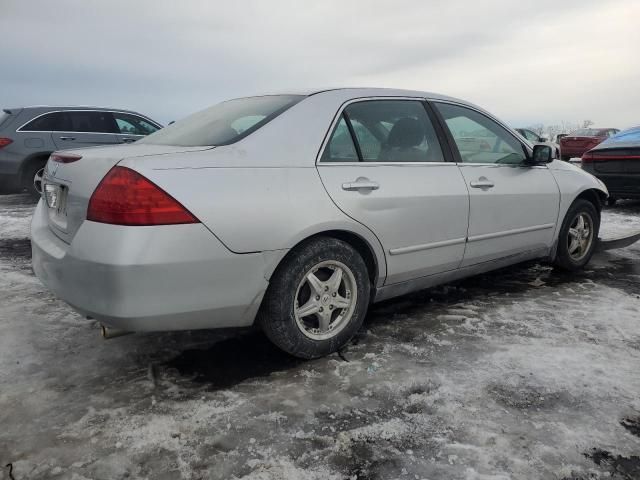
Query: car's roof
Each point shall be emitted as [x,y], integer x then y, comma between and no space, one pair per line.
[357,92]
[347,93]
[627,138]
[45,108]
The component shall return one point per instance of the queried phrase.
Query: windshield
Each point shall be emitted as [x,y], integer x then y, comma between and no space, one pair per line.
[628,136]
[224,123]
[586,132]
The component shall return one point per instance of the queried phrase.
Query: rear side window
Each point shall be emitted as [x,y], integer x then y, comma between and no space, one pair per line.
[92,122]
[49,122]
[341,147]
[133,125]
[224,123]
[385,131]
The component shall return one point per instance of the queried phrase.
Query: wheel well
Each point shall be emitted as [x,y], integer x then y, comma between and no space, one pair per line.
[357,242]
[27,162]
[594,196]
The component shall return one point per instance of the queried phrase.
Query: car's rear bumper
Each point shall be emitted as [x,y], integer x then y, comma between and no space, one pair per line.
[175,277]
[573,152]
[620,185]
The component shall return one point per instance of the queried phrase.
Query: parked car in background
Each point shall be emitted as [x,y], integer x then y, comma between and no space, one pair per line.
[616,162]
[579,141]
[536,139]
[29,135]
[226,218]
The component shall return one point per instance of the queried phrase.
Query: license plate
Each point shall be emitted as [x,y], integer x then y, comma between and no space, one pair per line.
[52,194]
[56,198]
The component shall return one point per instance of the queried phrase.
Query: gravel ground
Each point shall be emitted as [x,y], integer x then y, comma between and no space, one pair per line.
[525,373]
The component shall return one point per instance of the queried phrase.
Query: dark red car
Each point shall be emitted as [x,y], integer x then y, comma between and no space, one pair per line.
[583,139]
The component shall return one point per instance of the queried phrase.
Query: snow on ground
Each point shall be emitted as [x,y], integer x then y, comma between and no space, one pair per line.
[522,373]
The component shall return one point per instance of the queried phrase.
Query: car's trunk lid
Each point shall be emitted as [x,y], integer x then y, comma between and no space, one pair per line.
[70,185]
[624,160]
[579,142]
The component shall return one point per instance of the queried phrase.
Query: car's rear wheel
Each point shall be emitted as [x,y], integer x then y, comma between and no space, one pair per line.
[578,235]
[317,299]
[32,178]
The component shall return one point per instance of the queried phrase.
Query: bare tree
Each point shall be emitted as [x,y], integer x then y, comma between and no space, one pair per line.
[586,123]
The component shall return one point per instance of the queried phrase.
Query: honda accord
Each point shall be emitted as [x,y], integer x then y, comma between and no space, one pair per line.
[296,212]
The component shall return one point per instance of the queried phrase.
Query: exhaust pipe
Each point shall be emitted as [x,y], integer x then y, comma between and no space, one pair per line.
[108,332]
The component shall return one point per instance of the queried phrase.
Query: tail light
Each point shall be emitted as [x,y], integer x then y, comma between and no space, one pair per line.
[124,197]
[588,157]
[64,157]
[5,141]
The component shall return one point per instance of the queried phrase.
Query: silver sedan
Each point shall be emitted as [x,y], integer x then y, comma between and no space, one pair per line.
[296,212]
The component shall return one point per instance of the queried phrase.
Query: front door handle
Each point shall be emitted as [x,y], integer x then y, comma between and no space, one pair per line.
[128,140]
[67,138]
[361,184]
[482,182]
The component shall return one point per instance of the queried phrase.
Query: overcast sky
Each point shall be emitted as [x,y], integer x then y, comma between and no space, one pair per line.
[546,61]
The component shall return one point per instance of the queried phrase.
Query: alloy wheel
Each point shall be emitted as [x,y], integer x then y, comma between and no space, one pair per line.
[580,236]
[325,300]
[37,180]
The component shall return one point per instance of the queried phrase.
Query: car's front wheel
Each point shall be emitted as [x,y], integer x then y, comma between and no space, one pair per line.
[578,235]
[317,298]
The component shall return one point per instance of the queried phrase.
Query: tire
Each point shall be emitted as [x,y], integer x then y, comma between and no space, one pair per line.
[569,256]
[611,201]
[29,177]
[566,158]
[328,326]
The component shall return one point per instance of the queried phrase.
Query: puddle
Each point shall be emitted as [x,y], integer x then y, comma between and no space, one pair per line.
[626,467]
[232,361]
[632,425]
[14,248]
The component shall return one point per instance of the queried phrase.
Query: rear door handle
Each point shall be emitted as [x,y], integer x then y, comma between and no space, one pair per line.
[67,138]
[482,182]
[360,185]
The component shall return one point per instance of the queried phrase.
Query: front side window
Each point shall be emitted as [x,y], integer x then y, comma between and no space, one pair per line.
[224,123]
[132,124]
[50,122]
[478,138]
[387,131]
[92,122]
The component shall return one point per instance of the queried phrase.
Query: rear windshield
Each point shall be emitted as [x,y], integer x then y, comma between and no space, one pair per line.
[586,132]
[224,123]
[3,117]
[628,136]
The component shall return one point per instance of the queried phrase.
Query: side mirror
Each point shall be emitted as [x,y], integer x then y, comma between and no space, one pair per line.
[541,154]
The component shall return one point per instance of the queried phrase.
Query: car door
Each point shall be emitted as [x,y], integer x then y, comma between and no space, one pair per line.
[86,128]
[513,206]
[384,166]
[132,127]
